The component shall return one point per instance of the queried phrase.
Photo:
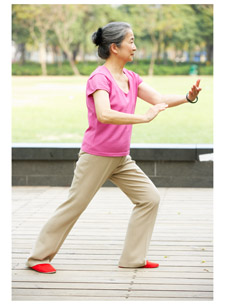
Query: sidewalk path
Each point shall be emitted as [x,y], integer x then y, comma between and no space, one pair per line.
[87,263]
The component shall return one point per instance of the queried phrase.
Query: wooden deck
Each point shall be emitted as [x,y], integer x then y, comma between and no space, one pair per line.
[87,264]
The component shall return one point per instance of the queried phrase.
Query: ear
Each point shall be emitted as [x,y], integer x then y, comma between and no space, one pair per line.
[113,48]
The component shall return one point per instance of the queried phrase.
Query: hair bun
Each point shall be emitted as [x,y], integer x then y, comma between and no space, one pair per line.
[97,37]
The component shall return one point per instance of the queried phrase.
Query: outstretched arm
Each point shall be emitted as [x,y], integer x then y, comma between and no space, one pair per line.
[150,95]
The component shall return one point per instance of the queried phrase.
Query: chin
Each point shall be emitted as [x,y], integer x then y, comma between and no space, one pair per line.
[130,59]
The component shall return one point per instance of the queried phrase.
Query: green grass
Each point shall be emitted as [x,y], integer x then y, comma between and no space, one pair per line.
[53,109]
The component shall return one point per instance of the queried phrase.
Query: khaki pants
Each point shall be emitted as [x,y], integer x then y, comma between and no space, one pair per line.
[90,174]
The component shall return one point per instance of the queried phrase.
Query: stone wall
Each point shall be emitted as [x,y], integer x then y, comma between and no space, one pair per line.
[167,165]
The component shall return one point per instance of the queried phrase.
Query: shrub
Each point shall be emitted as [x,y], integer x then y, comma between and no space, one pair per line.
[85,68]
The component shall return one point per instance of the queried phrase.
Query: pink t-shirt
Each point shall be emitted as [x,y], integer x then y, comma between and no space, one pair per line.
[109,139]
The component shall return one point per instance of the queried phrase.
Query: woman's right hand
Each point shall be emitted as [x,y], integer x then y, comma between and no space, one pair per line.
[154,111]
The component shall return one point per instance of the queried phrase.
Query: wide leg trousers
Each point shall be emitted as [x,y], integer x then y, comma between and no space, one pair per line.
[90,174]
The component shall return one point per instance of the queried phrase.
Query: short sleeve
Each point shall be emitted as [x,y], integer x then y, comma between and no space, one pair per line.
[97,82]
[139,80]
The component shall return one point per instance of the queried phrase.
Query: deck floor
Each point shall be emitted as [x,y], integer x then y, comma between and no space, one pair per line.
[87,263]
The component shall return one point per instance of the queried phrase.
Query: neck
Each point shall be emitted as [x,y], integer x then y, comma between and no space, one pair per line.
[114,66]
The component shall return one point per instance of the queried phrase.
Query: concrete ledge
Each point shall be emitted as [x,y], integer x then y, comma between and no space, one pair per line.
[166,164]
[144,152]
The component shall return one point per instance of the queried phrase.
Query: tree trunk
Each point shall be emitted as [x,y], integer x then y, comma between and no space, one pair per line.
[75,52]
[209,49]
[165,57]
[21,49]
[191,53]
[72,64]
[66,49]
[159,46]
[153,58]
[56,52]
[165,54]
[42,51]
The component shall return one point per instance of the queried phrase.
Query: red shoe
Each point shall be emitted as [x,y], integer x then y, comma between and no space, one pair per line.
[148,265]
[44,268]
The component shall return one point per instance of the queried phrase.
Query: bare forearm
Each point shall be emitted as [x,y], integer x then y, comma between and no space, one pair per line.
[150,95]
[110,116]
[173,99]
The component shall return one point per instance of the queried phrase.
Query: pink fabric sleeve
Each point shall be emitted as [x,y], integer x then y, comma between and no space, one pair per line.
[97,82]
[138,79]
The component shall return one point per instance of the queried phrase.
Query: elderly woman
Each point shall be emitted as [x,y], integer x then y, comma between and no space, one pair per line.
[111,96]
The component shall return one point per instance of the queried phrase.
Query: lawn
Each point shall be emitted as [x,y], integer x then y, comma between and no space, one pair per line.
[52,109]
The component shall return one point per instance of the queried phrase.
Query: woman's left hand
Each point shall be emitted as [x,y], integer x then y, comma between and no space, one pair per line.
[192,94]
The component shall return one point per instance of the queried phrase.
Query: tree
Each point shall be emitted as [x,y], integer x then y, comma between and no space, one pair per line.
[95,16]
[35,18]
[187,37]
[204,16]
[20,34]
[68,30]
[155,23]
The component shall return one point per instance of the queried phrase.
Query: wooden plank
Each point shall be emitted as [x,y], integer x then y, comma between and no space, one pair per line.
[114,231]
[176,216]
[73,275]
[120,238]
[72,258]
[101,278]
[111,286]
[110,264]
[141,298]
[121,211]
[163,258]
[70,292]
[67,298]
[81,237]
[173,281]
[114,262]
[172,294]
[86,246]
[177,211]
[84,279]
[99,298]
[169,287]
[70,276]
[112,253]
[159,227]
[109,293]
[185,258]
[75,286]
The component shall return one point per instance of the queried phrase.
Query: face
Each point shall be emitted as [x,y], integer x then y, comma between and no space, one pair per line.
[127,48]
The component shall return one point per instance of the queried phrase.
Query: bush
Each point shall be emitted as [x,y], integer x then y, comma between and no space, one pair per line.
[29,68]
[86,68]
[206,70]
[63,69]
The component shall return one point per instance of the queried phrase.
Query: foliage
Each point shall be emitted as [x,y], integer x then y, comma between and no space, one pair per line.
[86,68]
[157,28]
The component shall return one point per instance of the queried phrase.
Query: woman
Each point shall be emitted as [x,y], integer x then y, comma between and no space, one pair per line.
[111,97]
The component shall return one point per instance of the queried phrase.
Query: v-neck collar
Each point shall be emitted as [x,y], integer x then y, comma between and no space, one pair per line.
[124,71]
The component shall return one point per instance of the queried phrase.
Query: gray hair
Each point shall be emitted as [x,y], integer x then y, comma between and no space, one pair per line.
[113,32]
